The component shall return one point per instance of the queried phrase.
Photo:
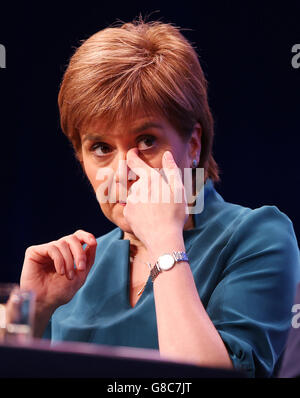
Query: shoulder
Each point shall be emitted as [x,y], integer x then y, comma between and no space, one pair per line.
[236,235]
[269,216]
[263,246]
[263,227]
[234,227]
[236,223]
[229,221]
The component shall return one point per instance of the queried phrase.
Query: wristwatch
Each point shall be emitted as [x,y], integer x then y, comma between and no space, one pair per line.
[166,262]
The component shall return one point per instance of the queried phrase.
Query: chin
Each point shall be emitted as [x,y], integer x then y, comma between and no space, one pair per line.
[116,217]
[124,226]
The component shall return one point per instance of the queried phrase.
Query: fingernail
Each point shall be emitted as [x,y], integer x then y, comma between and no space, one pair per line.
[71,274]
[81,265]
[168,156]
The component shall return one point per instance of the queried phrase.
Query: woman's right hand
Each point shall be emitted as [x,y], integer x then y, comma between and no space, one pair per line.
[49,271]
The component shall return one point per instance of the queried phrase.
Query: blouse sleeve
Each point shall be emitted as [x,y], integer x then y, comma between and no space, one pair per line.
[251,305]
[47,332]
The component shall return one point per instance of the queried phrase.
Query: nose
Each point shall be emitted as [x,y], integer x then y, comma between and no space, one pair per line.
[122,172]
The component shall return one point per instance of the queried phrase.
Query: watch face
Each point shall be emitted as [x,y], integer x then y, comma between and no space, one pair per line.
[166,262]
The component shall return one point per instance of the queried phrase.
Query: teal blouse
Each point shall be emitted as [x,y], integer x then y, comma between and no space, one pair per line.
[246,266]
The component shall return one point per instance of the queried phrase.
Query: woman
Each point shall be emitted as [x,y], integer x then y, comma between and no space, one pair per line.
[137,94]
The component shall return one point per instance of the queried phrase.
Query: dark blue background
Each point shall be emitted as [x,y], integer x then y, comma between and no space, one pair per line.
[245,51]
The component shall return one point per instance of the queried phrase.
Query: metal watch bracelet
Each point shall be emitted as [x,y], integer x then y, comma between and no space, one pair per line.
[178,256]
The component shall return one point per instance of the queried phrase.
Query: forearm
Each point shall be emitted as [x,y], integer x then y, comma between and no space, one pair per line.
[41,320]
[185,331]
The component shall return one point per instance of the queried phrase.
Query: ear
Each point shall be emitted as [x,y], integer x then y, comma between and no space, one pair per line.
[195,143]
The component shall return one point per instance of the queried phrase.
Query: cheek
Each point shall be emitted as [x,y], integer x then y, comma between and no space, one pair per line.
[152,160]
[182,160]
[95,174]
[89,169]
[102,181]
[106,210]
[181,157]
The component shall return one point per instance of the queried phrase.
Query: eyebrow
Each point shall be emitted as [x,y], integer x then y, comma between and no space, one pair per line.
[136,130]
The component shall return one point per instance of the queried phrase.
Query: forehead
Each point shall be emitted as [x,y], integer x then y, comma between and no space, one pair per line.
[134,125]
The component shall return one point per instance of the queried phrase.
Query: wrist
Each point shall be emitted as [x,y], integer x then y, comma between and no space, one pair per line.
[44,310]
[166,262]
[42,316]
[167,244]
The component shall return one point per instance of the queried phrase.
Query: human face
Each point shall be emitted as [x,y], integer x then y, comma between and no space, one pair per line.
[151,135]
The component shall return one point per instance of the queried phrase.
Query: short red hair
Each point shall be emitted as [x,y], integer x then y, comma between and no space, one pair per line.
[141,65]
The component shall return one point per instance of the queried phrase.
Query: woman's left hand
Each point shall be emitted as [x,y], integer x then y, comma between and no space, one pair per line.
[156,207]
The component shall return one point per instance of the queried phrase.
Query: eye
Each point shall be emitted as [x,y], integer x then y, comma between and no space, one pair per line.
[100,149]
[146,142]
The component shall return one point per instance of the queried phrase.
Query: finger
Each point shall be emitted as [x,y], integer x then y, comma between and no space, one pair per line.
[51,251]
[133,189]
[91,242]
[78,254]
[172,172]
[139,192]
[136,164]
[68,256]
[85,237]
